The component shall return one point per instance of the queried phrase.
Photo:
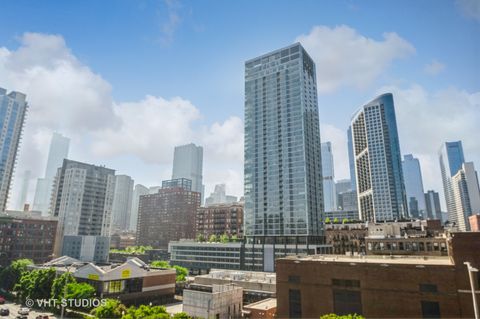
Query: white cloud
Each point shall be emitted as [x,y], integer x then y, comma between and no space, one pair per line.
[149,129]
[434,67]
[427,119]
[346,58]
[65,95]
[469,8]
[172,22]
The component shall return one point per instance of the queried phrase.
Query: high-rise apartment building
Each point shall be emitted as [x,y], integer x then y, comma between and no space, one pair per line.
[412,176]
[188,163]
[138,191]
[283,173]
[59,146]
[83,200]
[168,215]
[432,206]
[466,195]
[122,203]
[328,175]
[378,165]
[451,160]
[219,196]
[351,159]
[13,107]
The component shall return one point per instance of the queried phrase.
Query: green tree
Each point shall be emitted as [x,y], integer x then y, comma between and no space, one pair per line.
[224,238]
[335,220]
[160,264]
[147,312]
[344,221]
[10,275]
[349,316]
[112,309]
[181,315]
[77,290]
[327,220]
[234,238]
[59,284]
[213,238]
[35,284]
[200,238]
[182,273]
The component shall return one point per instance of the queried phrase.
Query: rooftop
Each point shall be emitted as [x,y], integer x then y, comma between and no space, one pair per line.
[373,259]
[31,215]
[264,304]
[235,275]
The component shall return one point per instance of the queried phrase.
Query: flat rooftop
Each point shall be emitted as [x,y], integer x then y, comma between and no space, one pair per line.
[240,275]
[264,304]
[372,259]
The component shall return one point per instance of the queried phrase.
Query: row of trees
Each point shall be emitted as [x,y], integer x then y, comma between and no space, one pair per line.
[42,283]
[132,250]
[217,238]
[337,221]
[182,272]
[113,309]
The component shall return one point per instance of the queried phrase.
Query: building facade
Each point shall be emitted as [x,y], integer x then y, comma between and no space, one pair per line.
[466,195]
[13,108]
[379,287]
[188,164]
[219,219]
[220,302]
[138,191]
[351,159]
[122,203]
[22,198]
[451,159]
[82,200]
[347,201]
[26,235]
[219,196]
[412,175]
[378,167]
[167,215]
[283,176]
[432,206]
[474,222]
[59,146]
[328,175]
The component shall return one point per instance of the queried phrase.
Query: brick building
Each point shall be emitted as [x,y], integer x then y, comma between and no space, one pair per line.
[474,221]
[220,219]
[167,215]
[26,235]
[379,286]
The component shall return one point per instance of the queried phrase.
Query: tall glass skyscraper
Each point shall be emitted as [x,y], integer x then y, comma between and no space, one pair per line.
[283,173]
[351,159]
[59,146]
[328,174]
[378,163]
[122,203]
[412,175]
[188,163]
[451,160]
[13,107]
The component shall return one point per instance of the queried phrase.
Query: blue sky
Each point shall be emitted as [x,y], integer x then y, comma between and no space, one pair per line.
[194,51]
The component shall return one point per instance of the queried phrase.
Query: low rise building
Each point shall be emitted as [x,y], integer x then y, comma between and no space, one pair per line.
[132,282]
[380,286]
[26,235]
[122,241]
[256,285]
[220,219]
[266,308]
[346,238]
[200,257]
[221,302]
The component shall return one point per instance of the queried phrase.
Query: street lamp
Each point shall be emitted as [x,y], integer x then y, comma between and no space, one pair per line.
[65,287]
[471,270]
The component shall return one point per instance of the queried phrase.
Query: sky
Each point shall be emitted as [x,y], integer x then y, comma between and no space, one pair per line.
[128,80]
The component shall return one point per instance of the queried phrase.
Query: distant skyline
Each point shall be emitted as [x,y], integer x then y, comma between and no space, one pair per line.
[129,80]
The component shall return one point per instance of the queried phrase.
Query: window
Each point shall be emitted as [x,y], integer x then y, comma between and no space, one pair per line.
[430,309]
[346,283]
[347,302]
[294,303]
[428,288]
